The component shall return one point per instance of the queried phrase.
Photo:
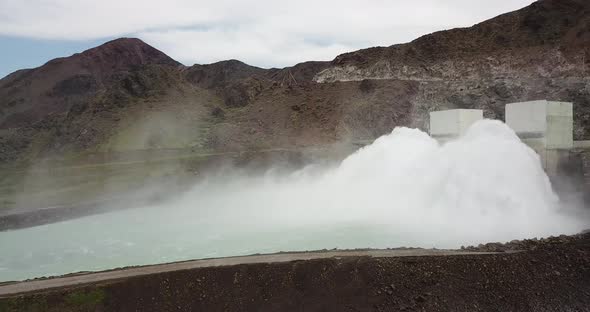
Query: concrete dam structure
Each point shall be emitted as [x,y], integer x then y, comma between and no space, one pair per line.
[545,126]
[450,124]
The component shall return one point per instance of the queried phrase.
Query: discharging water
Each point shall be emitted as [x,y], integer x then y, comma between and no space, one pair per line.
[403,190]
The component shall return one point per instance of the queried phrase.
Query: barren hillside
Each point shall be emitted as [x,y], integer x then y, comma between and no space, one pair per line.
[127,96]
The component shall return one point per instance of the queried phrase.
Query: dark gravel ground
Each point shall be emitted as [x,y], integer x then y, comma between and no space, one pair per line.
[547,275]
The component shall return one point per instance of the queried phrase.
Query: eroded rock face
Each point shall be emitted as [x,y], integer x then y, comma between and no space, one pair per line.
[548,38]
[526,63]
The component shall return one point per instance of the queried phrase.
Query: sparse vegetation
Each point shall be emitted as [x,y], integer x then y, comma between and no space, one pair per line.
[85,298]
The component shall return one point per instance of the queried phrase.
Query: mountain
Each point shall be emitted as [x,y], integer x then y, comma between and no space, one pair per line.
[541,51]
[127,96]
[552,32]
[28,96]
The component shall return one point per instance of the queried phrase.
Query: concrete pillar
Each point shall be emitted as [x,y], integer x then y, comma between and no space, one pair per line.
[545,126]
[449,124]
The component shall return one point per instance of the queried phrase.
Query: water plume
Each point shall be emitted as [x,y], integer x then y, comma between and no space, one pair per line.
[405,189]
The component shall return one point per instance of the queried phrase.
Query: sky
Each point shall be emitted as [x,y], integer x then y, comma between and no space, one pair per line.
[264,33]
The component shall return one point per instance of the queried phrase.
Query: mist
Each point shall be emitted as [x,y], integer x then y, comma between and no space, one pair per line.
[405,189]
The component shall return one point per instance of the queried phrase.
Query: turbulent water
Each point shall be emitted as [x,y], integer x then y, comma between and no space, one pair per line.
[403,190]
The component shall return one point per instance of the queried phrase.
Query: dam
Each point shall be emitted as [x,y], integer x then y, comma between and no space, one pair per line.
[545,126]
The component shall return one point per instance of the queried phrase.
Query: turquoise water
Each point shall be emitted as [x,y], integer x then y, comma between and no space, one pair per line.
[143,236]
[403,190]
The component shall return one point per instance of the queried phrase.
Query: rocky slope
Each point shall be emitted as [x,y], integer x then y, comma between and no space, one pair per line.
[127,96]
[30,95]
[541,51]
[554,33]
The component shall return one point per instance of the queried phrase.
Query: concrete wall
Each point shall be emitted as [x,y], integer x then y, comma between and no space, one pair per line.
[449,124]
[545,126]
[528,119]
[542,122]
[560,125]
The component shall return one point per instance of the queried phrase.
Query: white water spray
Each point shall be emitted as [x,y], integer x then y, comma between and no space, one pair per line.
[403,190]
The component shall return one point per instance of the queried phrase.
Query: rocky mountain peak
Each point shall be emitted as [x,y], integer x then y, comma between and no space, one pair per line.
[126,52]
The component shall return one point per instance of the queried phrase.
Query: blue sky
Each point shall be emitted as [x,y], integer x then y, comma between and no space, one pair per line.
[264,33]
[18,53]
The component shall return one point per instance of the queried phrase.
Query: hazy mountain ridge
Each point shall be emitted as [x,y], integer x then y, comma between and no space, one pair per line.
[125,95]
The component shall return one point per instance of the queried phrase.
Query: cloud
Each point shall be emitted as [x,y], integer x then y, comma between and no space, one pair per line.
[263,50]
[261,32]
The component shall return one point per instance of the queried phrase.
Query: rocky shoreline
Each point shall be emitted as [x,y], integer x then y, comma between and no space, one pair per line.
[551,274]
[527,244]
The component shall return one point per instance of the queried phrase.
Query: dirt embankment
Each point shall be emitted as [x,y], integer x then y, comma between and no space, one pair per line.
[552,275]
